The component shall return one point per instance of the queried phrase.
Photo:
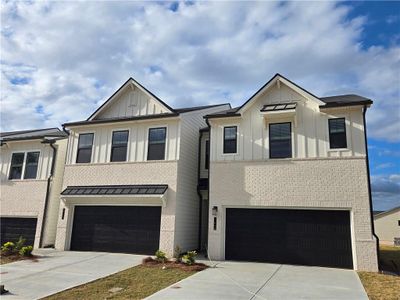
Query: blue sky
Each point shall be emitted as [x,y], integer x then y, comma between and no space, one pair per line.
[60,61]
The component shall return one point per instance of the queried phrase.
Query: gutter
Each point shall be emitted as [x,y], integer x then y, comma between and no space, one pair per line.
[198,191]
[49,179]
[369,186]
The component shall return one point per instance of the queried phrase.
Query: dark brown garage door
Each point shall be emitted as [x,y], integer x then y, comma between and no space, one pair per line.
[300,237]
[124,229]
[13,228]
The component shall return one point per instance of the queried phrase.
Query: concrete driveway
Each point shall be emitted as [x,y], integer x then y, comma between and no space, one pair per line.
[241,280]
[56,271]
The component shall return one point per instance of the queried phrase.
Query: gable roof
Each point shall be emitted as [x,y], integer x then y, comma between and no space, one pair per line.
[275,78]
[325,102]
[122,87]
[388,212]
[32,134]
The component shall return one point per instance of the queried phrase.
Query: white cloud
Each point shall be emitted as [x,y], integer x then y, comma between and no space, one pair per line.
[69,57]
[385,191]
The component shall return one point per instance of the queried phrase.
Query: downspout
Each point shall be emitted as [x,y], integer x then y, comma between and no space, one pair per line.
[369,186]
[46,201]
[198,192]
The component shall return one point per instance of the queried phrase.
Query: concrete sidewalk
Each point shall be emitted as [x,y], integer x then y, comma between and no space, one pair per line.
[56,271]
[242,280]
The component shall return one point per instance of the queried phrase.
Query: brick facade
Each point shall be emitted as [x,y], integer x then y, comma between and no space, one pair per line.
[326,183]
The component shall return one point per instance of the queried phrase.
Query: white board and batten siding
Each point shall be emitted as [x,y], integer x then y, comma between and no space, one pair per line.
[137,140]
[310,135]
[132,102]
[45,157]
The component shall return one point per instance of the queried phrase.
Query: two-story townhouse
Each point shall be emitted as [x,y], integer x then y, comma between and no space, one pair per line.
[130,181]
[289,180]
[31,166]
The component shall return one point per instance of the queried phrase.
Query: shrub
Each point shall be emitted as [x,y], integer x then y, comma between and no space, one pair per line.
[20,244]
[26,251]
[8,248]
[189,258]
[161,256]
[178,254]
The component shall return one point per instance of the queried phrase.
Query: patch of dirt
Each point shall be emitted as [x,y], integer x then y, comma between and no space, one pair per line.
[196,267]
[5,259]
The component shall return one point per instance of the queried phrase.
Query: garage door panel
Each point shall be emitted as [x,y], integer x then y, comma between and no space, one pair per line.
[126,229]
[13,228]
[305,237]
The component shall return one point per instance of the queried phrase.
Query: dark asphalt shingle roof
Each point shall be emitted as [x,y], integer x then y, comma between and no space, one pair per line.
[143,189]
[345,100]
[32,134]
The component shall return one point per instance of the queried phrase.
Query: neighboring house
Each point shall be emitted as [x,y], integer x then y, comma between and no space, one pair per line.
[289,180]
[387,225]
[32,165]
[130,181]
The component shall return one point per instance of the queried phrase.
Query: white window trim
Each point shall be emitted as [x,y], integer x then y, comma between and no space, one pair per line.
[223,139]
[148,138]
[25,152]
[77,147]
[128,146]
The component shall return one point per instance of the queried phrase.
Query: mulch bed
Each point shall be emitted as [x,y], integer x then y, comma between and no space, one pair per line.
[196,267]
[16,257]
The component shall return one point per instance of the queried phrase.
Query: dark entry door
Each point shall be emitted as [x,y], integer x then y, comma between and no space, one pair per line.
[125,229]
[13,228]
[301,237]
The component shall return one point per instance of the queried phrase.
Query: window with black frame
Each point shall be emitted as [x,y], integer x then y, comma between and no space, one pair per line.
[156,148]
[280,140]
[119,145]
[85,145]
[337,133]
[17,163]
[31,165]
[230,139]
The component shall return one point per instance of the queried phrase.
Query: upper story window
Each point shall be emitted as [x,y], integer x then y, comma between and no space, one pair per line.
[207,155]
[17,163]
[119,145]
[31,165]
[156,149]
[85,145]
[337,133]
[230,139]
[280,140]
[24,164]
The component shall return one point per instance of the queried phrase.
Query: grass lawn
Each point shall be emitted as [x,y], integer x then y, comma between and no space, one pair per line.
[135,283]
[388,255]
[381,286]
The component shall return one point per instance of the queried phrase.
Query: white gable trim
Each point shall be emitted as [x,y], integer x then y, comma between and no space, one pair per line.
[130,83]
[278,79]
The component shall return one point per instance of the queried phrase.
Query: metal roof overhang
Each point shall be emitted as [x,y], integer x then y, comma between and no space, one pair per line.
[116,191]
